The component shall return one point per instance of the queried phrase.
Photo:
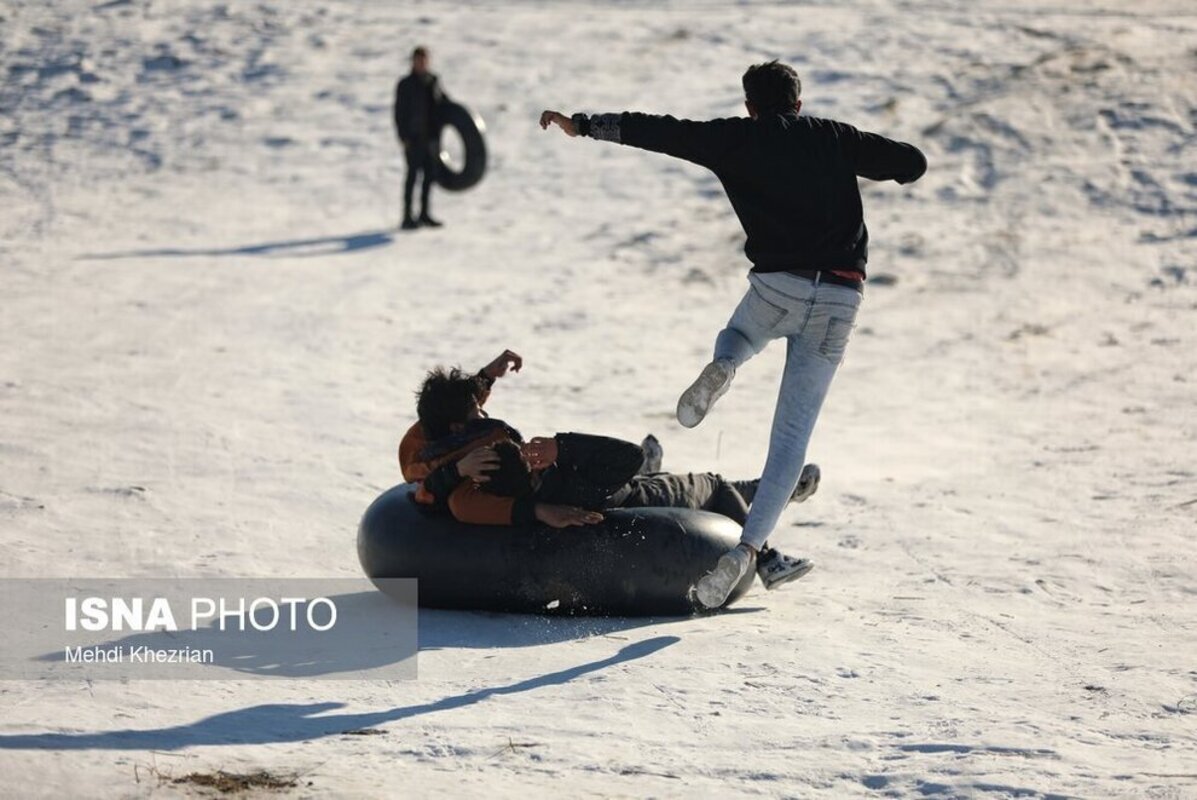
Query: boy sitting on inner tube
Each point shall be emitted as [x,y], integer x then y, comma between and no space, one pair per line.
[483,471]
[446,445]
[447,451]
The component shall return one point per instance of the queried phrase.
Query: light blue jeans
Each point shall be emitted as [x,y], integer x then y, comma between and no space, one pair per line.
[816,321]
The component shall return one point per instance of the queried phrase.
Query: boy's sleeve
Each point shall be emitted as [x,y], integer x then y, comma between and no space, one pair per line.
[880,159]
[469,503]
[703,143]
[409,455]
[606,462]
[402,114]
[488,383]
[441,482]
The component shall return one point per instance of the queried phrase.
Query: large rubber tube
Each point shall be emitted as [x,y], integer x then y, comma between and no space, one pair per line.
[637,562]
[469,126]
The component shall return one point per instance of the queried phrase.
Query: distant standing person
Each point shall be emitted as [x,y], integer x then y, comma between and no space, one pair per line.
[418,98]
[792,182]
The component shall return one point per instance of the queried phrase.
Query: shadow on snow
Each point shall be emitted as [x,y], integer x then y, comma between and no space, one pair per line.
[320,246]
[294,722]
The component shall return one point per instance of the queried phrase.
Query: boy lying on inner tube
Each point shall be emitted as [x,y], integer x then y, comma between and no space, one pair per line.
[484,473]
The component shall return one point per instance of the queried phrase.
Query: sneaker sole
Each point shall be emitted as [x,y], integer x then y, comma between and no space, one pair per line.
[654,454]
[808,483]
[793,576]
[716,586]
[695,403]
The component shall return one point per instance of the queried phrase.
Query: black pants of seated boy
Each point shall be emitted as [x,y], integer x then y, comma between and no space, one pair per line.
[699,490]
[598,472]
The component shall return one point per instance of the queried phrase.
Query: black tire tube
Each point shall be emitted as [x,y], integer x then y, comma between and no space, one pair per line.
[470,127]
[636,562]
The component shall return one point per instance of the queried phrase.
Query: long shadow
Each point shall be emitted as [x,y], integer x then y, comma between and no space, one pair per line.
[321,246]
[484,629]
[294,722]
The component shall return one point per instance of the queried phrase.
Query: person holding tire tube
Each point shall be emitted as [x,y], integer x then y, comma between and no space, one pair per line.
[792,181]
[418,101]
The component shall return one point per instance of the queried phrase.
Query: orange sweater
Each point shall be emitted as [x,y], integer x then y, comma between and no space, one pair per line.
[466,502]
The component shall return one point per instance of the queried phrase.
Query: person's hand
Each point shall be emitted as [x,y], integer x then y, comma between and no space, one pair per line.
[566,516]
[477,463]
[563,122]
[541,452]
[498,368]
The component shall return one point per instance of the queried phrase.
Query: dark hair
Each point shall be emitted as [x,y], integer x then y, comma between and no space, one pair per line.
[772,87]
[420,51]
[511,478]
[445,398]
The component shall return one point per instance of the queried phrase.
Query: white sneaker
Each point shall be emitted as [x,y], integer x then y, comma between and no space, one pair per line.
[775,569]
[711,384]
[714,587]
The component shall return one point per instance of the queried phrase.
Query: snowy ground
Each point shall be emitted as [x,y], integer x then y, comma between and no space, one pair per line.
[211,333]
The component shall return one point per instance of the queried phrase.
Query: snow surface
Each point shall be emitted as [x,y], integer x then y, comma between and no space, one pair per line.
[211,333]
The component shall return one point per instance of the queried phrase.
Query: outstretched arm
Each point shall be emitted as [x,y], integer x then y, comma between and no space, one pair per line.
[880,159]
[703,143]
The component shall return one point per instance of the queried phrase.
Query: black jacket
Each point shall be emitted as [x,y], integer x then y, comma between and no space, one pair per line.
[417,98]
[790,179]
[589,470]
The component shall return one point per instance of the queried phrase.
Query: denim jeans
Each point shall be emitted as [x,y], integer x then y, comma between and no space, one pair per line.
[816,321]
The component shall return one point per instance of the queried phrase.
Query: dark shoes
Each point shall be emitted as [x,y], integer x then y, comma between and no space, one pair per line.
[424,221]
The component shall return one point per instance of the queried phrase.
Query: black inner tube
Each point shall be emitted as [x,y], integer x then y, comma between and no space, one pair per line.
[636,562]
[459,177]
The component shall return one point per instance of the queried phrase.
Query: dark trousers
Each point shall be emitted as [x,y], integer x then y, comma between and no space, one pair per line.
[422,159]
[705,491]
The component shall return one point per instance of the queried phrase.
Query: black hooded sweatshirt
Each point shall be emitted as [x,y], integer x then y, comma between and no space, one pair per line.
[791,179]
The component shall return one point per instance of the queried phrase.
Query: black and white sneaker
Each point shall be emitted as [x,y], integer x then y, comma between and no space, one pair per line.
[653,455]
[775,568]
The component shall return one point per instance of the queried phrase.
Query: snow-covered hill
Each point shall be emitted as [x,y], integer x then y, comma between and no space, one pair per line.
[212,331]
